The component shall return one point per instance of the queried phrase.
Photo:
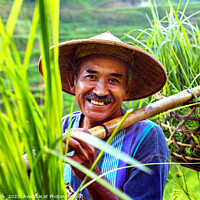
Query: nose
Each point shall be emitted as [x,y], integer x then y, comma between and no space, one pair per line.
[101,88]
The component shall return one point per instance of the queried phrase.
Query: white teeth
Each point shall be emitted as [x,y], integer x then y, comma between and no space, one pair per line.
[97,103]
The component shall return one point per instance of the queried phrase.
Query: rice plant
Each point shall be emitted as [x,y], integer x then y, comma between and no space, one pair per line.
[24,127]
[175,41]
[28,129]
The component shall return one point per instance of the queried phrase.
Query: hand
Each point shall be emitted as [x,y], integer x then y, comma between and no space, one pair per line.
[84,153]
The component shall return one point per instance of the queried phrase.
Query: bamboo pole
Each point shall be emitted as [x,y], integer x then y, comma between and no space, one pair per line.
[145,112]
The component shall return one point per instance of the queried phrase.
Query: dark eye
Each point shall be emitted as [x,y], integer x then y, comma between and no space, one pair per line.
[91,76]
[113,80]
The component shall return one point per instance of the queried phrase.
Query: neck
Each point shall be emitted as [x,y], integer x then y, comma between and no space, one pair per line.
[88,123]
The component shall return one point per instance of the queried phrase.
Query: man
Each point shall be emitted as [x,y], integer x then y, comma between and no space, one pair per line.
[102,72]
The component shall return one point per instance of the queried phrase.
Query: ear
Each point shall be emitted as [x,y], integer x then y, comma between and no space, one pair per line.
[129,87]
[70,78]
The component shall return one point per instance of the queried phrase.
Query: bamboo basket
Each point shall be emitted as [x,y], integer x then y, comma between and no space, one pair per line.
[182,133]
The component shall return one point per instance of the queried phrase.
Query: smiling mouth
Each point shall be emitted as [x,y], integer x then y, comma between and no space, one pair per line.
[99,103]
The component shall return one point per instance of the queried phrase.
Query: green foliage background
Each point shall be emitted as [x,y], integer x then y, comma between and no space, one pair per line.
[79,21]
[83,19]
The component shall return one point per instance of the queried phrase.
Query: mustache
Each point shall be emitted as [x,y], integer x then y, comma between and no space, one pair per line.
[96,97]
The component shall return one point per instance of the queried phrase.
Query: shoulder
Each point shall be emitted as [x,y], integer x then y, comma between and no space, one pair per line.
[74,114]
[70,119]
[148,123]
[143,124]
[144,128]
[150,139]
[154,144]
[153,131]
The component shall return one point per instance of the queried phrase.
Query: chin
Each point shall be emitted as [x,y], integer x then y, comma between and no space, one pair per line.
[97,119]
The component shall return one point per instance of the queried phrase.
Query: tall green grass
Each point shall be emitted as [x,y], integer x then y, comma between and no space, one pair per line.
[183,183]
[24,127]
[27,128]
[175,41]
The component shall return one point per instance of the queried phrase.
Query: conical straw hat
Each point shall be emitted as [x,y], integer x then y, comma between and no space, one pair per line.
[148,73]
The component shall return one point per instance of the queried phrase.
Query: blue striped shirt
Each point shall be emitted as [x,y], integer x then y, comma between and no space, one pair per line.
[143,141]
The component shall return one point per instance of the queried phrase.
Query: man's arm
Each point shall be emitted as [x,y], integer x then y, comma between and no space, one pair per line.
[141,185]
[85,155]
[153,149]
[98,192]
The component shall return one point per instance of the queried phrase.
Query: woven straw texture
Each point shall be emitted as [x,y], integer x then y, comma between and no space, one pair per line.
[148,73]
[184,144]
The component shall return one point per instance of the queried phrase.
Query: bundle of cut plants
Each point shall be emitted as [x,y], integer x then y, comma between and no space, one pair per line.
[181,127]
[182,131]
[175,41]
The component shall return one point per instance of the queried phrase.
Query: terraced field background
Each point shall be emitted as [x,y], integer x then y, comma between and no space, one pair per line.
[84,19]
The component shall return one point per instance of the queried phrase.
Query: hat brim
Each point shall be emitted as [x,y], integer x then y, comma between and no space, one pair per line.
[148,73]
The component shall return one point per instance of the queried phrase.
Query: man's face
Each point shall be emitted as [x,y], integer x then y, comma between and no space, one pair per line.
[101,88]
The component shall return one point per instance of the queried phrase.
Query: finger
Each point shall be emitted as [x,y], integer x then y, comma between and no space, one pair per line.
[81,148]
[64,148]
[77,147]
[82,130]
[76,158]
[85,145]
